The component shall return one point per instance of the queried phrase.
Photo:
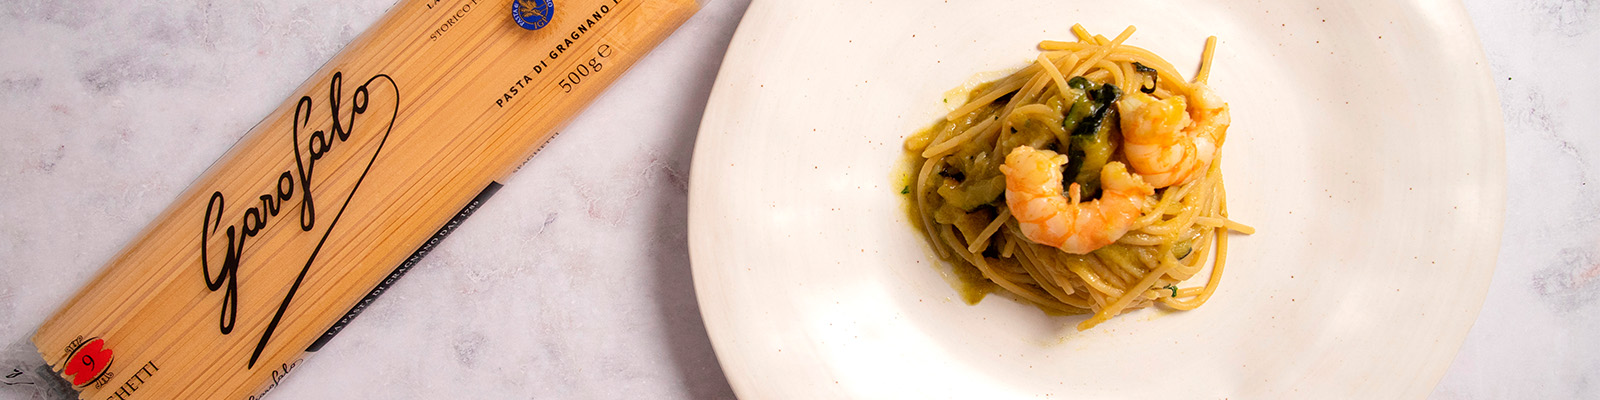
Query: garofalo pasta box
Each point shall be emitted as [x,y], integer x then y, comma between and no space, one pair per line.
[339,191]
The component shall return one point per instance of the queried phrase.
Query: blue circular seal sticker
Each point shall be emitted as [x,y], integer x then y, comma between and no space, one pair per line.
[532,14]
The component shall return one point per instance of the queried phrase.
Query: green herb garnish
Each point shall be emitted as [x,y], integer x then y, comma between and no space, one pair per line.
[1174,290]
[906,190]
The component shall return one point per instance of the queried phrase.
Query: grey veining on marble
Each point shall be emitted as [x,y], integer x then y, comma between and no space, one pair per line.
[574,281]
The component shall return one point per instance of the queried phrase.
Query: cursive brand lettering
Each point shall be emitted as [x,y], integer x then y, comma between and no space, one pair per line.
[308,148]
[277,376]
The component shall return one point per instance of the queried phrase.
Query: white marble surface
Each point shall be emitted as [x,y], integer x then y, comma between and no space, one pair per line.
[109,109]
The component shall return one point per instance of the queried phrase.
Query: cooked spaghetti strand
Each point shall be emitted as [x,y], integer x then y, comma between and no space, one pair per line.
[1065,101]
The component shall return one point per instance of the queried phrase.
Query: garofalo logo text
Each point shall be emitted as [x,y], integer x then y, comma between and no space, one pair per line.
[296,182]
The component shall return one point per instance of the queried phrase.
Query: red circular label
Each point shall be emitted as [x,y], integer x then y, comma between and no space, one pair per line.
[88,362]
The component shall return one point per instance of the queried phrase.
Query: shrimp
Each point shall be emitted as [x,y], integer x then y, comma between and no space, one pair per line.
[1164,144]
[1033,193]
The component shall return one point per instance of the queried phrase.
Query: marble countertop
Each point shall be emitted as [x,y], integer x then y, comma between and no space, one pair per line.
[107,116]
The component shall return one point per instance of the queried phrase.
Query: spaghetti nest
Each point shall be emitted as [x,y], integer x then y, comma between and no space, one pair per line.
[1086,182]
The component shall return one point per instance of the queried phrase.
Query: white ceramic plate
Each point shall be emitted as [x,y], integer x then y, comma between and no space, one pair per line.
[1366,147]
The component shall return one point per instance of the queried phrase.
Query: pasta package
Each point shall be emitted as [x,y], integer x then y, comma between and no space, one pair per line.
[339,191]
